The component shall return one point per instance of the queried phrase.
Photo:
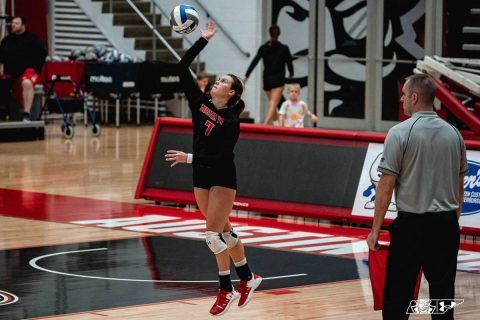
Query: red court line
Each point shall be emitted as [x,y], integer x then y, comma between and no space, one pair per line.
[278,292]
[65,209]
[57,208]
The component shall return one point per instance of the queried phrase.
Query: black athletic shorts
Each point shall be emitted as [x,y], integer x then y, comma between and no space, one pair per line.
[206,178]
[271,82]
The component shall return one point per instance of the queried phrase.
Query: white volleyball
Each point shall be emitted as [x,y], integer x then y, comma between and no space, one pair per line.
[184,19]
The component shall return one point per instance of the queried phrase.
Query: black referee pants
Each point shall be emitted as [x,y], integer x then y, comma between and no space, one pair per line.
[429,241]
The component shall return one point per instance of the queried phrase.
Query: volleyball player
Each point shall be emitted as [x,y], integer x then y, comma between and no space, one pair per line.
[216,128]
[276,56]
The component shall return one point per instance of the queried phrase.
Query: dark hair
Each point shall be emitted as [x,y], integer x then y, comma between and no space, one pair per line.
[236,101]
[202,75]
[208,87]
[21,19]
[274,31]
[423,85]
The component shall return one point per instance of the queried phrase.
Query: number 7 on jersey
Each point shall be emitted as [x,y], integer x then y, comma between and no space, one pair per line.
[210,126]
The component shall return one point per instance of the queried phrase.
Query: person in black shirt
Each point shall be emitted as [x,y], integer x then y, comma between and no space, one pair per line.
[22,55]
[216,128]
[275,57]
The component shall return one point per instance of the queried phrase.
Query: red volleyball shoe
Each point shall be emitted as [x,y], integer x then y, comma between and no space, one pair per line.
[247,288]
[223,302]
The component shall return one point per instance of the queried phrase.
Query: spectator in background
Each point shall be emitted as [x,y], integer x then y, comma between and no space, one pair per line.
[292,112]
[275,57]
[22,54]
[203,83]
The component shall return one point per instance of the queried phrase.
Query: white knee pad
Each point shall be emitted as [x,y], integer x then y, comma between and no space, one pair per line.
[215,242]
[231,238]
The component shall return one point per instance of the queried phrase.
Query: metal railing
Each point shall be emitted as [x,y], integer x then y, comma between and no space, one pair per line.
[155,32]
[154,29]
[153,7]
[167,16]
[221,27]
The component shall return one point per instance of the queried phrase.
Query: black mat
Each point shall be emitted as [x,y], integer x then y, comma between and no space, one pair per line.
[43,293]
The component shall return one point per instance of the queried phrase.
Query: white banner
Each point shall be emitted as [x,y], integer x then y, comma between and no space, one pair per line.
[364,204]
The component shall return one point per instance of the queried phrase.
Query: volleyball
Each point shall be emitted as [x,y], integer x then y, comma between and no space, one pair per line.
[184,19]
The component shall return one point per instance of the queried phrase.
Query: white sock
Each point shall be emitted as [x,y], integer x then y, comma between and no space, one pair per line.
[240,263]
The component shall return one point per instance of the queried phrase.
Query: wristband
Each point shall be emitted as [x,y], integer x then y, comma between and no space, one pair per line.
[189,158]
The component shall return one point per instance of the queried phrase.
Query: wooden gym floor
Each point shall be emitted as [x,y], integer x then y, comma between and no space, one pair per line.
[74,244]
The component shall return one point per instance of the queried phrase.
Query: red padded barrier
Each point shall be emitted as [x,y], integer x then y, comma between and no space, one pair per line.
[456,107]
[332,213]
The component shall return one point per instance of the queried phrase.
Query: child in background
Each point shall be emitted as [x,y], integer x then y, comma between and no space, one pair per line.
[293,111]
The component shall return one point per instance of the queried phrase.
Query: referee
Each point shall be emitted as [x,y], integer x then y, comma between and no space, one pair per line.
[424,160]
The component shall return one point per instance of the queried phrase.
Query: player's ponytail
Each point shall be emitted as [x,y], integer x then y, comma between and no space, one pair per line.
[236,102]
[239,106]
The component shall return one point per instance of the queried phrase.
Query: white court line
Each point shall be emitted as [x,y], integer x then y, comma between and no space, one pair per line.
[34,264]
[293,235]
[6,295]
[305,242]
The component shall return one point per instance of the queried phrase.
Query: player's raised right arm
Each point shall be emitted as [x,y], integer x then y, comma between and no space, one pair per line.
[207,33]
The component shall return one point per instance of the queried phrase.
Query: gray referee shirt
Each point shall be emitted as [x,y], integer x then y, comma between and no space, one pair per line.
[427,156]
